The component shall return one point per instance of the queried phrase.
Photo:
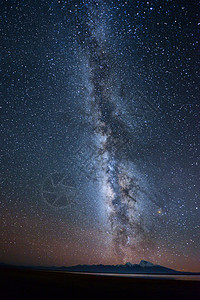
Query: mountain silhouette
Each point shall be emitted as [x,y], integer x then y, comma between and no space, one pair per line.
[128,268]
[144,267]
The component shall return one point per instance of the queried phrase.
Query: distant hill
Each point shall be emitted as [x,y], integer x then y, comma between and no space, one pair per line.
[144,267]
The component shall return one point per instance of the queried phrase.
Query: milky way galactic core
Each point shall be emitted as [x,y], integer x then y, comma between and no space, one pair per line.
[123,194]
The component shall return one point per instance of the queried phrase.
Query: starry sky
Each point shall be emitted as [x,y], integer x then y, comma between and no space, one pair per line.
[100,133]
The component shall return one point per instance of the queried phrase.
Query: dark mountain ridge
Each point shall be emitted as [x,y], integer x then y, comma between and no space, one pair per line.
[144,267]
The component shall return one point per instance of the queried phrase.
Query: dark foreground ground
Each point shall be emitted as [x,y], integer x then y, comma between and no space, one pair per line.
[28,284]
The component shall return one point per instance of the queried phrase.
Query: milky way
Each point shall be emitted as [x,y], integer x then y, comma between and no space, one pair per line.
[124,195]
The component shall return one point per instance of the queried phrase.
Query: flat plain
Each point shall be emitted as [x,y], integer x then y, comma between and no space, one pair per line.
[36,284]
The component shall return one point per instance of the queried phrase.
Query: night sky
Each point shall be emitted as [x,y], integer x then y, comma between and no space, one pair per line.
[100,133]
